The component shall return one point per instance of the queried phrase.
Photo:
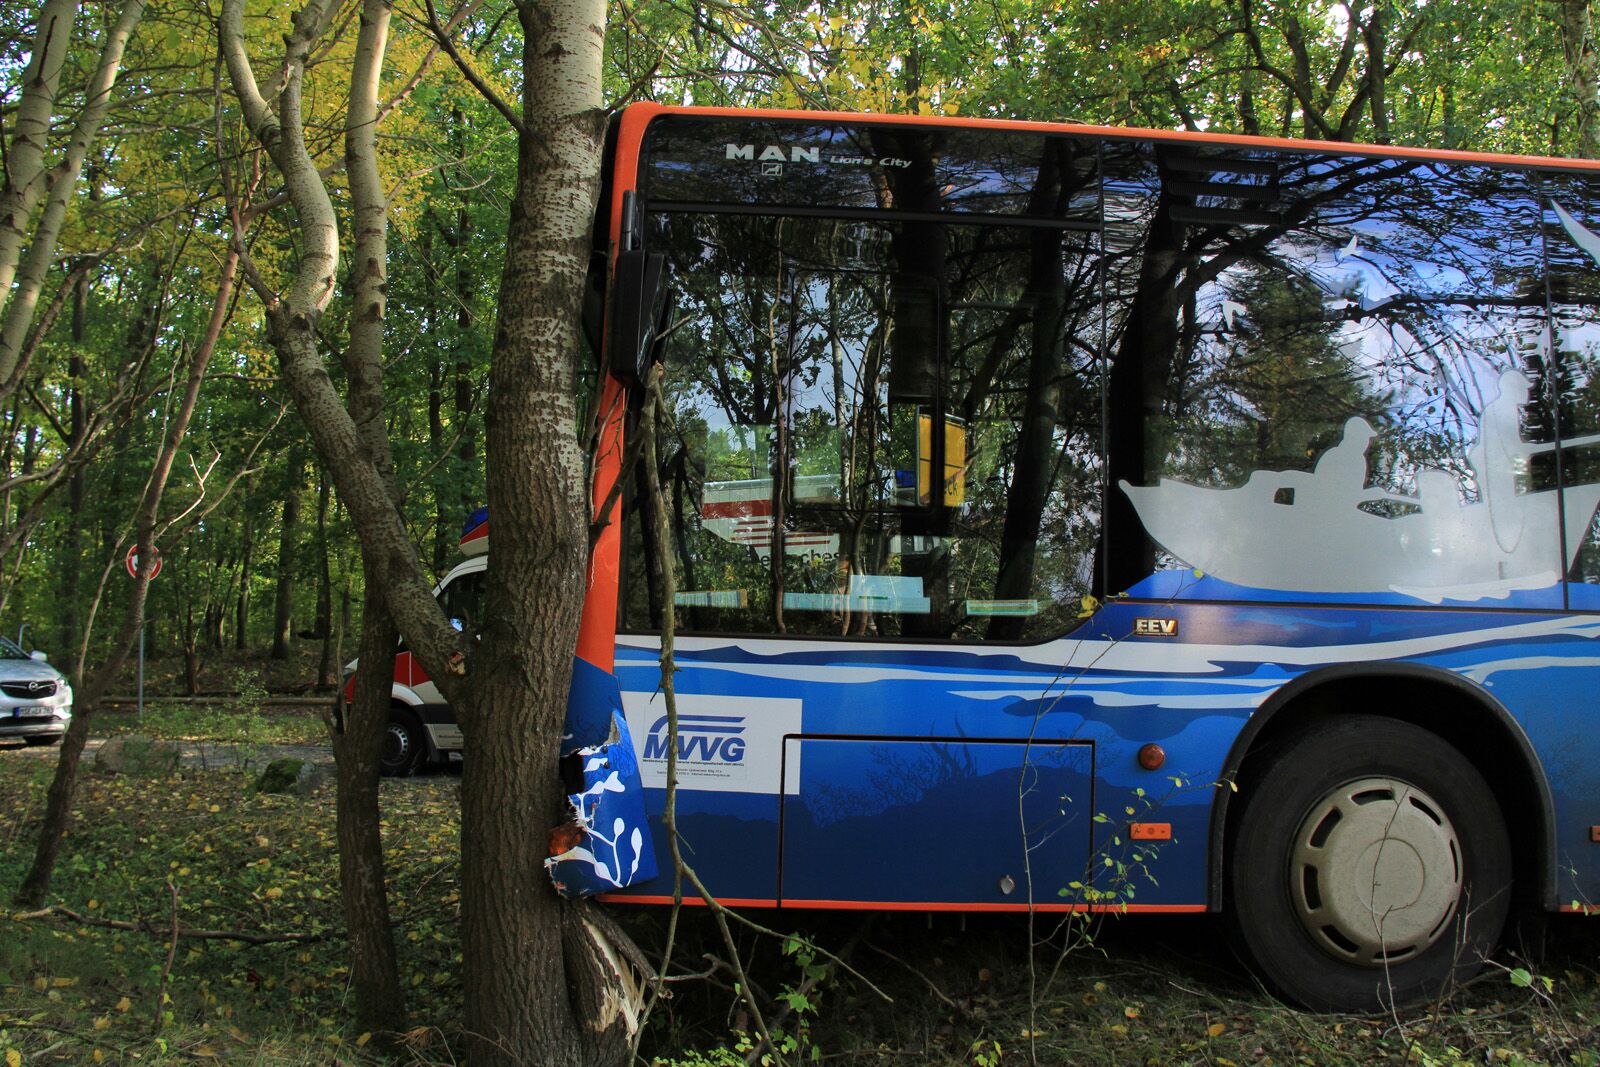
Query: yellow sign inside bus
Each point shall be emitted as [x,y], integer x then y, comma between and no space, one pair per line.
[955,460]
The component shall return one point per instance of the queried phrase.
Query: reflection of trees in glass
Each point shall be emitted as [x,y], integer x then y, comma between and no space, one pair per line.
[813,354]
[1024,379]
[1575,298]
[1257,300]
[1241,305]
[775,369]
[1270,393]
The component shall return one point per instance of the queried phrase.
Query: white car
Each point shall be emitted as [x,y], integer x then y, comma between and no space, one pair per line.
[35,700]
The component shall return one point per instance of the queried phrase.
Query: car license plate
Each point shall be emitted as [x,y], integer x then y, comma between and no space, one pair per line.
[31,713]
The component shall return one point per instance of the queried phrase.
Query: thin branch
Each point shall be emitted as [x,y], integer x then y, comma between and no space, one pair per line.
[44,410]
[467,10]
[442,36]
[184,521]
[45,321]
[172,954]
[145,926]
[929,982]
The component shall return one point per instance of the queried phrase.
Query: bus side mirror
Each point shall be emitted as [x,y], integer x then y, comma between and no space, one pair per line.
[639,303]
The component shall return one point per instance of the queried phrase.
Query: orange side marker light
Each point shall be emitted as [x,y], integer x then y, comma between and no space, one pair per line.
[1150,831]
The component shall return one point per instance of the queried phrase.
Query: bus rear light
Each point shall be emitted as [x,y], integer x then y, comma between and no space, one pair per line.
[1152,756]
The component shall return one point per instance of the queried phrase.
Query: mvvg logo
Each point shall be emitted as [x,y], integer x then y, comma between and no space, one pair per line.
[701,738]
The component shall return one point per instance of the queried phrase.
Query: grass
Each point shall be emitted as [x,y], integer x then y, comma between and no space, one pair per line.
[1145,991]
[235,723]
[237,861]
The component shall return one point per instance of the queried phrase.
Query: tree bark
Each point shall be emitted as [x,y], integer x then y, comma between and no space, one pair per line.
[373,964]
[531,995]
[71,558]
[466,327]
[543,984]
[1375,35]
[374,967]
[18,311]
[283,600]
[1583,73]
[30,131]
[241,604]
[325,665]
[292,317]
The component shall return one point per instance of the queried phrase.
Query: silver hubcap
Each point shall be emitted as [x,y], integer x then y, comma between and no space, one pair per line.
[1376,871]
[397,743]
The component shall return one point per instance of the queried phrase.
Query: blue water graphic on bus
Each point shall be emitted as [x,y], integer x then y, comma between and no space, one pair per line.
[1006,776]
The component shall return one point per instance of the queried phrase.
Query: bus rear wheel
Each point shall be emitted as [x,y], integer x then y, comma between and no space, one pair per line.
[1371,867]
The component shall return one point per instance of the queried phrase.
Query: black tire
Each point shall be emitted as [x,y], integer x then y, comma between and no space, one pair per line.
[404,746]
[1364,793]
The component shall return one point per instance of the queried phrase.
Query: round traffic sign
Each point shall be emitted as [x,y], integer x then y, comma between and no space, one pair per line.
[133,562]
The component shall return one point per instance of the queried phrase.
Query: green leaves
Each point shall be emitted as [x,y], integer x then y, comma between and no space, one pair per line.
[1523,978]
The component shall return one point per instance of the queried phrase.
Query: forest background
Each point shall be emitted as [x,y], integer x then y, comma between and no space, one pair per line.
[257,552]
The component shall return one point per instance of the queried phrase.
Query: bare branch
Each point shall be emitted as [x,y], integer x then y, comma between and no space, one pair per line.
[442,36]
[145,926]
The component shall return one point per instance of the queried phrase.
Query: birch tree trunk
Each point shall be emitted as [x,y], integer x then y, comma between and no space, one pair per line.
[545,982]
[352,440]
[541,984]
[1583,73]
[19,305]
[373,963]
[24,170]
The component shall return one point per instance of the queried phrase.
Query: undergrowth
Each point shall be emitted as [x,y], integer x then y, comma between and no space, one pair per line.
[241,722]
[1146,991]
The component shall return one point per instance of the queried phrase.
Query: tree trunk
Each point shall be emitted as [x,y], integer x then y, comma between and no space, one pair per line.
[1376,36]
[325,665]
[1583,73]
[191,660]
[542,985]
[466,327]
[374,969]
[213,627]
[71,557]
[241,606]
[441,519]
[373,964]
[283,602]
[18,301]
[517,961]
[30,131]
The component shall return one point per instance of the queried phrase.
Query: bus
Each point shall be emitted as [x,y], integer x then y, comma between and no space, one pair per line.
[1077,519]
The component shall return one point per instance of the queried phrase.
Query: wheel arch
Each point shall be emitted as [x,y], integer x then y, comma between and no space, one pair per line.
[403,696]
[1459,712]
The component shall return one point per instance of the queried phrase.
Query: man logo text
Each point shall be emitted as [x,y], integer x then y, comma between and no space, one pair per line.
[774,154]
